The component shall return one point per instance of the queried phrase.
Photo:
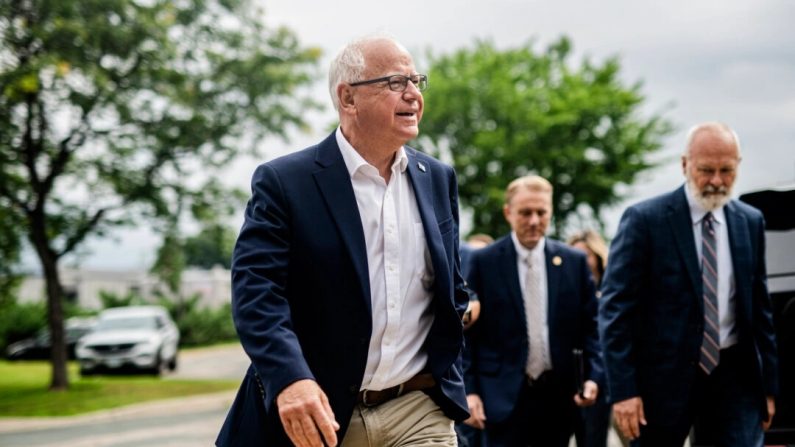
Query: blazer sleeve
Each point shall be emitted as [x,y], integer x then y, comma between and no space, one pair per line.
[461,291]
[588,323]
[260,303]
[764,332]
[621,292]
[471,335]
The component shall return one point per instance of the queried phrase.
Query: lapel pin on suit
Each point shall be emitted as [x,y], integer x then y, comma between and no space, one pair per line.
[557,260]
[421,166]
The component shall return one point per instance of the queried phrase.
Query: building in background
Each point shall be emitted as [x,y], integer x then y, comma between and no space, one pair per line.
[83,286]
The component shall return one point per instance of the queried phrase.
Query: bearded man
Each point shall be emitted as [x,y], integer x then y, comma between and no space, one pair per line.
[685,317]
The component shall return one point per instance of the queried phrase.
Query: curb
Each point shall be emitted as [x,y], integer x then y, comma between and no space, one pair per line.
[188,404]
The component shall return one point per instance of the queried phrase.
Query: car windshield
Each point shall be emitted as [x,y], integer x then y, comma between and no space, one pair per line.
[114,324]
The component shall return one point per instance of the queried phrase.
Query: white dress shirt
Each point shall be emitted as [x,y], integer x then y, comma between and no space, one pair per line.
[399,264]
[726,287]
[537,258]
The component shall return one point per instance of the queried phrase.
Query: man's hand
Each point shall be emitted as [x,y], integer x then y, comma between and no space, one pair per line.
[472,313]
[477,417]
[304,409]
[771,411]
[629,417]
[589,394]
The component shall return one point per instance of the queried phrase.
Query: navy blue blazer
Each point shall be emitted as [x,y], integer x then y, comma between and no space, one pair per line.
[301,292]
[651,311]
[498,344]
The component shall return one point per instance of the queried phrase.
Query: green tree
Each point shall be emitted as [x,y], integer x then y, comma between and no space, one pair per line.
[501,114]
[210,247]
[10,249]
[114,110]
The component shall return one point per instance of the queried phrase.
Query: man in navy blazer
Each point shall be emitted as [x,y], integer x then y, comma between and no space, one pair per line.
[685,317]
[538,304]
[347,294]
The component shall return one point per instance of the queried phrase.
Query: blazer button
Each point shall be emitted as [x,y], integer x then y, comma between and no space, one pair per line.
[362,341]
[353,389]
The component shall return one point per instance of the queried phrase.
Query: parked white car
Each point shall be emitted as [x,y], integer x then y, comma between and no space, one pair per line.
[135,337]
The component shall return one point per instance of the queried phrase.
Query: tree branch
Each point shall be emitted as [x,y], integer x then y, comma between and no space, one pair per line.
[81,232]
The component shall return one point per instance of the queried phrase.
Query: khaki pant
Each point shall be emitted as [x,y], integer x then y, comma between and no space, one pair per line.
[409,420]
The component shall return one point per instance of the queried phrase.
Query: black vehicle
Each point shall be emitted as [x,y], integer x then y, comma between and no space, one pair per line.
[38,347]
[778,207]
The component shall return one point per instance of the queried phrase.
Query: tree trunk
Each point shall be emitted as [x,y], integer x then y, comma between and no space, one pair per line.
[49,264]
[60,378]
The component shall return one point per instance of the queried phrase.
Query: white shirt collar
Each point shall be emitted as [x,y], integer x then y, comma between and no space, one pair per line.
[697,212]
[535,254]
[354,160]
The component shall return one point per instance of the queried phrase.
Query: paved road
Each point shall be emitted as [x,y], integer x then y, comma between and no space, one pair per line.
[216,362]
[185,422]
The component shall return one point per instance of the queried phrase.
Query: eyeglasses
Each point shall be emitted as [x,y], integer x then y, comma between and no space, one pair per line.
[398,83]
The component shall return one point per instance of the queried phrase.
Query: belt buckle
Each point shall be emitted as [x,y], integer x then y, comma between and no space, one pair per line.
[364,400]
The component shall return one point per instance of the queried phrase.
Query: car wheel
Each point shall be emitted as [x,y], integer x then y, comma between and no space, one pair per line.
[159,367]
[172,364]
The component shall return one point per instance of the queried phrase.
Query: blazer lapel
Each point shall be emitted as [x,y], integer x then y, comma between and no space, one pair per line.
[335,186]
[506,264]
[420,177]
[682,226]
[741,252]
[553,278]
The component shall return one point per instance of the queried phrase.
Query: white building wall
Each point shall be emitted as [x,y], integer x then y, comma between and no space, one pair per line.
[85,286]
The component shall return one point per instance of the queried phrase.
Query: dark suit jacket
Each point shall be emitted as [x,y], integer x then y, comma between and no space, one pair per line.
[301,292]
[651,311]
[499,346]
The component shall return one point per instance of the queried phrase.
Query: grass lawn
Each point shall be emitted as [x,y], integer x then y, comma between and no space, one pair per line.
[23,390]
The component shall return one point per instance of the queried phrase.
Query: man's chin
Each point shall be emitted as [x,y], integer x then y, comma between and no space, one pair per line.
[712,202]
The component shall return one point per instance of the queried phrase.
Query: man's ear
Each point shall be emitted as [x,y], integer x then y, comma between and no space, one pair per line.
[345,96]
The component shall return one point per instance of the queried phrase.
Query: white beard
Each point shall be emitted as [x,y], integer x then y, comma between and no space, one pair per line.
[710,198]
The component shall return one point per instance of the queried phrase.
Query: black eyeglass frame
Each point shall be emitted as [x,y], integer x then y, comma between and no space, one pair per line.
[403,81]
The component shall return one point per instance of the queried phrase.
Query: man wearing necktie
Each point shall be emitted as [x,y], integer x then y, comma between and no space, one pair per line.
[685,318]
[538,304]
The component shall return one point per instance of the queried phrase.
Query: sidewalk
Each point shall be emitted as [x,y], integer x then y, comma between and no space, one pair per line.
[192,404]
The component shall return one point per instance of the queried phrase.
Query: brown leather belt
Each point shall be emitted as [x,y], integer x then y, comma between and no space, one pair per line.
[372,398]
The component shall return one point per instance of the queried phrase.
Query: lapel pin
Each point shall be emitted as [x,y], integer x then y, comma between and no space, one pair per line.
[421,166]
[557,261]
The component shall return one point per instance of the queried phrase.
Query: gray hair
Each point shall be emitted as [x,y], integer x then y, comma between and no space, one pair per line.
[348,65]
[713,126]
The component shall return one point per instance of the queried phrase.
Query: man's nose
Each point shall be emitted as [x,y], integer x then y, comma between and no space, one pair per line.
[412,91]
[716,179]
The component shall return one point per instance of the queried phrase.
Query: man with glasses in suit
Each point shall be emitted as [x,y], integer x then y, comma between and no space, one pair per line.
[347,293]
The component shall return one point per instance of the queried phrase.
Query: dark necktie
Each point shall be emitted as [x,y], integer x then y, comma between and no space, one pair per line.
[710,345]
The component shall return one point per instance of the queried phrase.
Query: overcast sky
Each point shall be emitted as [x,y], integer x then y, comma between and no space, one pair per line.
[729,60]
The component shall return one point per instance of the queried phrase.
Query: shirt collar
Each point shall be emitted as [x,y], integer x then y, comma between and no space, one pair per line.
[354,160]
[697,212]
[535,254]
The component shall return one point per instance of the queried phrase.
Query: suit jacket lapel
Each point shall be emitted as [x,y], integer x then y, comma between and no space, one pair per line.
[682,226]
[334,184]
[506,265]
[553,278]
[420,177]
[741,252]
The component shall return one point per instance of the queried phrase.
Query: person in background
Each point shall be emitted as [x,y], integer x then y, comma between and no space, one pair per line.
[538,304]
[469,436]
[346,287]
[592,428]
[473,243]
[685,318]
